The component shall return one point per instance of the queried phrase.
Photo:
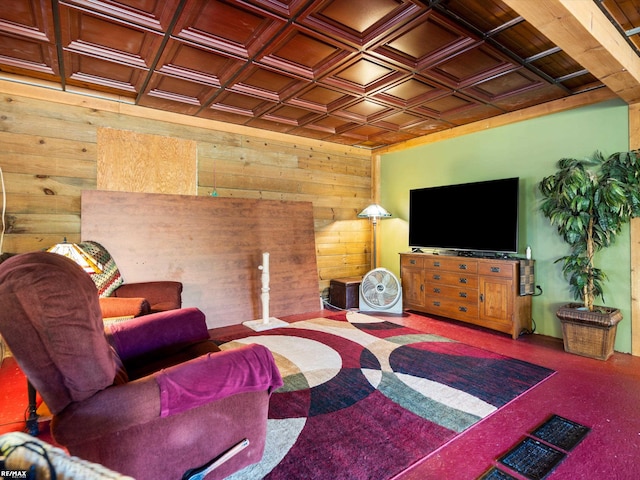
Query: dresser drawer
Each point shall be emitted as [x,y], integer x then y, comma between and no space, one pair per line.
[497,269]
[451,308]
[452,264]
[411,261]
[461,294]
[435,277]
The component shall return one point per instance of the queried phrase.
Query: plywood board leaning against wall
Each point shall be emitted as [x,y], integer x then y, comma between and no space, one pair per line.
[137,162]
[213,246]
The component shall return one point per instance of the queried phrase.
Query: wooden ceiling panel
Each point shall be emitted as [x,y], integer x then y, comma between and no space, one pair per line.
[28,19]
[524,40]
[473,114]
[558,65]
[272,125]
[103,75]
[529,97]
[267,83]
[331,124]
[505,85]
[239,104]
[410,91]
[231,27]
[427,127]
[485,14]
[150,14]
[400,120]
[358,72]
[471,66]
[292,115]
[179,90]
[29,57]
[407,45]
[286,8]
[111,40]
[321,99]
[304,53]
[27,39]
[358,22]
[364,111]
[198,64]
[364,75]
[446,106]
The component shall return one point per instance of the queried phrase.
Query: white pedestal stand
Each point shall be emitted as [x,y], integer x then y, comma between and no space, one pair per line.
[266,322]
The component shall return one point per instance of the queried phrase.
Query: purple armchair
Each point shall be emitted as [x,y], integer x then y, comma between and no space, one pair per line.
[153,397]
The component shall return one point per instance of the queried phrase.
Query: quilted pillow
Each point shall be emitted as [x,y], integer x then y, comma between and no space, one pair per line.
[110,278]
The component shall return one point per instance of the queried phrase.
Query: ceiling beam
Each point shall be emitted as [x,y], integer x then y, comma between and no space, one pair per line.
[581,29]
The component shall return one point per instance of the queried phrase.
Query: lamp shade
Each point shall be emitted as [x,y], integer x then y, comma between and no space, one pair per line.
[374,211]
[78,255]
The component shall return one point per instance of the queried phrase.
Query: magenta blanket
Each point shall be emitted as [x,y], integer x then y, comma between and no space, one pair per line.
[215,376]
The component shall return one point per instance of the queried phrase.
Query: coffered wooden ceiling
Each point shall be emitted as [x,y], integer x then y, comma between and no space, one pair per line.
[368,73]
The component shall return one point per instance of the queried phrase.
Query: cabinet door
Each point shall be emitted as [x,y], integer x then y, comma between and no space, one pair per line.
[413,287]
[496,299]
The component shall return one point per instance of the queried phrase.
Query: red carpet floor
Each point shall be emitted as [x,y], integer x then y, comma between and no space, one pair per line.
[604,396]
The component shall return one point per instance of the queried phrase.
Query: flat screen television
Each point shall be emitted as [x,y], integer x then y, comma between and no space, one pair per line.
[473,217]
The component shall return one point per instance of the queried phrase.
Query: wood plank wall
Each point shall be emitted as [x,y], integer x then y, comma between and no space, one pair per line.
[48,153]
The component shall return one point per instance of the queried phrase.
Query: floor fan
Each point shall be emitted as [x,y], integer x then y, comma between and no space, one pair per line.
[380,291]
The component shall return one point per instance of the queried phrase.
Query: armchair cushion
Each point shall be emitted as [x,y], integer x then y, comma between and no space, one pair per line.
[123,307]
[161,295]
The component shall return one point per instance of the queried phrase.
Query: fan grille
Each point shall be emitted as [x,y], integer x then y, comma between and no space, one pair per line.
[380,288]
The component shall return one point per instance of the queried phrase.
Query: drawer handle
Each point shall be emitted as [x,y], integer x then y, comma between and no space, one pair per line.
[436,290]
[436,304]
[462,266]
[436,277]
[422,288]
[436,264]
[463,280]
[462,309]
[462,294]
[495,269]
[412,262]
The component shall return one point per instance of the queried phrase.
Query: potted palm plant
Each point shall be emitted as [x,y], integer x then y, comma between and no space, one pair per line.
[588,201]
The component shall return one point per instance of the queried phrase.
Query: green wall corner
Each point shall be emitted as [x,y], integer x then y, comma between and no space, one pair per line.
[529,150]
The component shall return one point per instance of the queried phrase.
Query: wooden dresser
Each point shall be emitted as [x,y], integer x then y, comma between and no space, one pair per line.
[480,291]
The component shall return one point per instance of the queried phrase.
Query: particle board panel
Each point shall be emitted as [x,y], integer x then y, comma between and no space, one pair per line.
[213,245]
[138,162]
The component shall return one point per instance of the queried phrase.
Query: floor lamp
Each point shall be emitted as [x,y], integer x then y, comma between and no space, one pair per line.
[374,212]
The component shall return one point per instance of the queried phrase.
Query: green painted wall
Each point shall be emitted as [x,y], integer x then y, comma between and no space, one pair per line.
[528,150]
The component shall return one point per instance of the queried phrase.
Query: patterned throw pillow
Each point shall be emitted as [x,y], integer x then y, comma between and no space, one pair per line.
[110,278]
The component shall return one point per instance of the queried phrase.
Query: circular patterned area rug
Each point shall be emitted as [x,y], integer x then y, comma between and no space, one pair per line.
[365,398]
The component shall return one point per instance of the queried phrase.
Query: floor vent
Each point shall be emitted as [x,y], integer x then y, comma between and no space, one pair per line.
[540,452]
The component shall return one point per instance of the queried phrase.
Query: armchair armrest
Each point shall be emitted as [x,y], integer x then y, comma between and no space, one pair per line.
[84,421]
[161,295]
[250,368]
[146,334]
[172,391]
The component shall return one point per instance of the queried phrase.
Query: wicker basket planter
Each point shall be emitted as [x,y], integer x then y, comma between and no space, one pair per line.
[590,334]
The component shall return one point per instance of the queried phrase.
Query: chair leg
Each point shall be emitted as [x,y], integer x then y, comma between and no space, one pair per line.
[32,418]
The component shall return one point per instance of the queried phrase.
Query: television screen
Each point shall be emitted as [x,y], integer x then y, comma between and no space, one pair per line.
[474,217]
